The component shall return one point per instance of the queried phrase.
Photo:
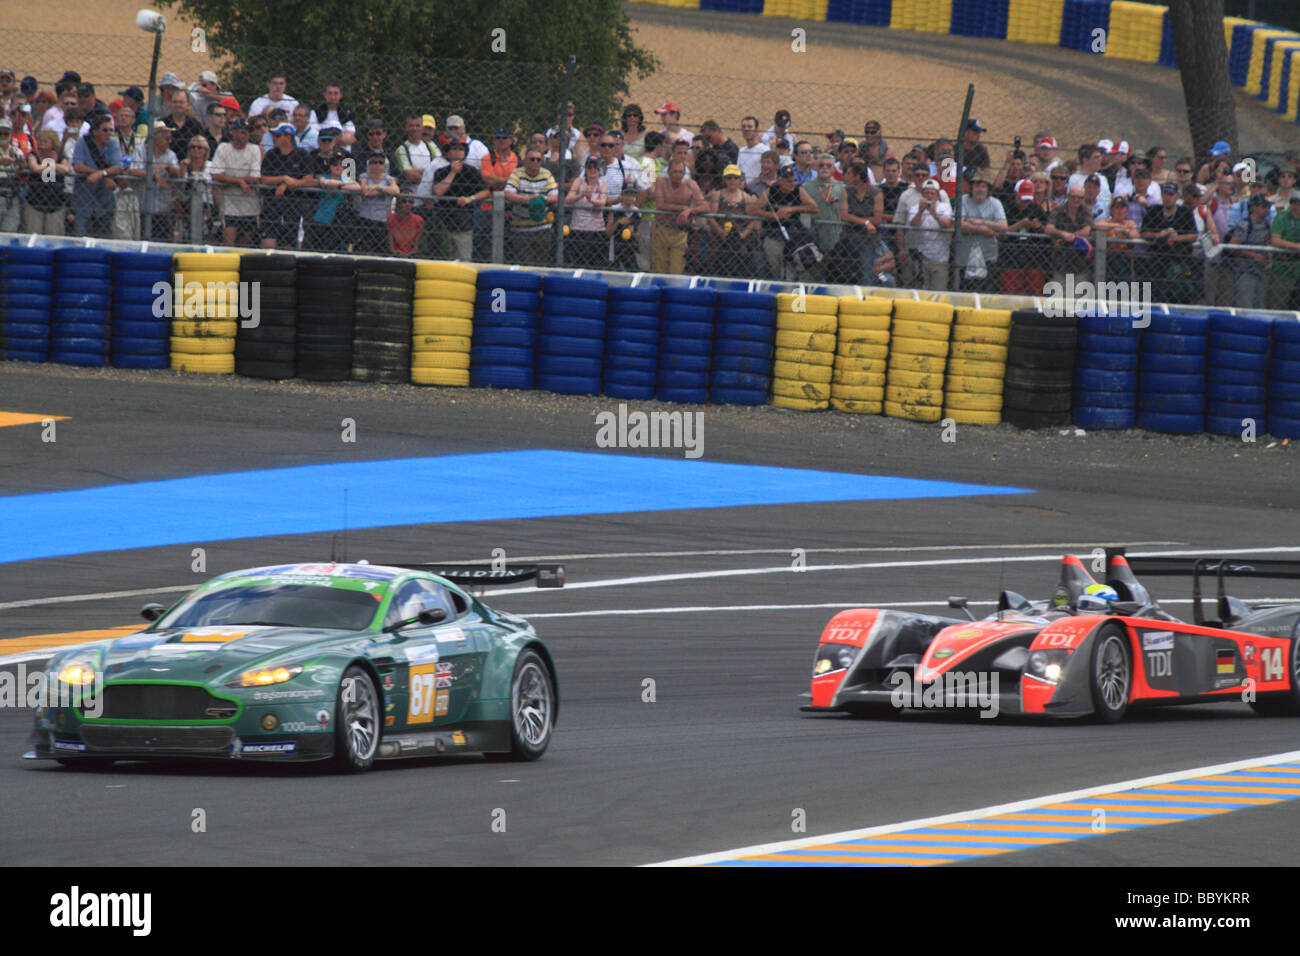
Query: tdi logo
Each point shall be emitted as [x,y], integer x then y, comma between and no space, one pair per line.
[1160,664]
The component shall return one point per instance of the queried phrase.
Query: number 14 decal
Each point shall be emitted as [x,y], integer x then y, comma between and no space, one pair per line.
[1271,660]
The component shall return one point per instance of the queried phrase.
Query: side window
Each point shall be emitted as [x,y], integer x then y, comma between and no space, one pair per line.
[416,596]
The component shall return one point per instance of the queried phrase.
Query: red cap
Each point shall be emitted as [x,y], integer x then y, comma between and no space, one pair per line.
[1048,141]
[115,105]
[1025,190]
[231,103]
[669,107]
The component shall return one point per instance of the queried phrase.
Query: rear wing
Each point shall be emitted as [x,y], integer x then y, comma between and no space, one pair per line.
[485,575]
[1287,569]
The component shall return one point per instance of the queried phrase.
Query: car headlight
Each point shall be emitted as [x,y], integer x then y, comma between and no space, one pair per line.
[78,674]
[1047,665]
[266,676]
[834,657]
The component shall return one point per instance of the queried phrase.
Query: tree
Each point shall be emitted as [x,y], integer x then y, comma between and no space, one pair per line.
[494,62]
[1203,62]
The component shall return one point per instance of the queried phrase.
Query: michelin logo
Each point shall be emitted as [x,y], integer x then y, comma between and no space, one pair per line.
[286,747]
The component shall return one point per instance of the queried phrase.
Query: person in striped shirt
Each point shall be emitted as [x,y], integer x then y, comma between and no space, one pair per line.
[530,190]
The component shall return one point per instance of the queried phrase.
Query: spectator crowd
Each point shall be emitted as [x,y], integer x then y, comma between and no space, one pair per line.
[646,196]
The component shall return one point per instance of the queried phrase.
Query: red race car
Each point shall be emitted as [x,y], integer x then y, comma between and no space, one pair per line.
[1092,649]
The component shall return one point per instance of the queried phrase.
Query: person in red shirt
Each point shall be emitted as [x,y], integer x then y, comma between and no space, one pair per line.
[404,228]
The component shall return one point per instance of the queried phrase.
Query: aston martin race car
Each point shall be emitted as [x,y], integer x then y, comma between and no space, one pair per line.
[1091,649]
[302,662]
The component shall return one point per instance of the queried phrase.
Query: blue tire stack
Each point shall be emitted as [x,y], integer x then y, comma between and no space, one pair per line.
[140,338]
[26,302]
[504,347]
[632,341]
[1284,380]
[686,319]
[1171,386]
[83,300]
[1106,373]
[571,335]
[744,332]
[1237,374]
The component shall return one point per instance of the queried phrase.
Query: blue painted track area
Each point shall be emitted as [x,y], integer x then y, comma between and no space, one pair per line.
[456,488]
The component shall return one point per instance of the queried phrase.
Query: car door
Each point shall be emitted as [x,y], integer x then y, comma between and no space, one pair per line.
[441,665]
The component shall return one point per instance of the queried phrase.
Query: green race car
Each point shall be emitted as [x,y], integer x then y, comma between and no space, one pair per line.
[301,662]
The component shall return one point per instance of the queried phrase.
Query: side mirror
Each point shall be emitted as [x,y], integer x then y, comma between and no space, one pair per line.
[959,604]
[427,617]
[151,612]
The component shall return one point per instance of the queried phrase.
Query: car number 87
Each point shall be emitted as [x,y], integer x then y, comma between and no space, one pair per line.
[423,683]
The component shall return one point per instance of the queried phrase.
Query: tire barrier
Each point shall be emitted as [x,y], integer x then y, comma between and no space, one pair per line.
[326,289]
[1171,383]
[918,360]
[1284,380]
[504,345]
[977,366]
[744,335]
[81,306]
[861,355]
[205,312]
[26,302]
[686,320]
[1236,377]
[1106,373]
[442,322]
[571,335]
[1040,370]
[381,334]
[632,342]
[268,348]
[804,357]
[141,289]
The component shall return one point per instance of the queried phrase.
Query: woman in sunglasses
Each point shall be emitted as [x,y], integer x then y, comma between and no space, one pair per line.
[633,132]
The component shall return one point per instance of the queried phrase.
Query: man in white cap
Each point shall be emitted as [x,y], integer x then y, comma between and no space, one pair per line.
[168,85]
[475,151]
[205,92]
[929,213]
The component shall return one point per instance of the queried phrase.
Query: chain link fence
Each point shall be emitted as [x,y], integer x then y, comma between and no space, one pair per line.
[385,185]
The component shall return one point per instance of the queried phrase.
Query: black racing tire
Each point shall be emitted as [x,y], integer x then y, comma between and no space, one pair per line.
[1030,419]
[265,352]
[1110,673]
[254,368]
[358,721]
[1026,357]
[381,376]
[1035,338]
[1287,704]
[532,709]
[1031,318]
[1036,400]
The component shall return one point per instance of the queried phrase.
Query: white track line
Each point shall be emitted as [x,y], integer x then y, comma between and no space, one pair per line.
[736,551]
[695,575]
[965,815]
[705,609]
[867,566]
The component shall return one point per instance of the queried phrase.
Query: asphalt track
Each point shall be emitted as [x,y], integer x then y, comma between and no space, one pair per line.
[722,757]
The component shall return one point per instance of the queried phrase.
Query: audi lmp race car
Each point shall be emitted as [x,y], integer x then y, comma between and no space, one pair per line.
[301,662]
[1092,649]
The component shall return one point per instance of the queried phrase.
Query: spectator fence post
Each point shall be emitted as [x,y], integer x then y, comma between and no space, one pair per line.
[563,124]
[1099,257]
[954,266]
[498,225]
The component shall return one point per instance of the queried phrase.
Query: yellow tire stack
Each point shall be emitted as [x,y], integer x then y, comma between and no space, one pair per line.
[977,366]
[918,356]
[204,322]
[862,355]
[442,323]
[805,351]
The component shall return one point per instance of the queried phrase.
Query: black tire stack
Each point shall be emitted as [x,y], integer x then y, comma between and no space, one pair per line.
[381,337]
[268,349]
[326,292]
[1040,370]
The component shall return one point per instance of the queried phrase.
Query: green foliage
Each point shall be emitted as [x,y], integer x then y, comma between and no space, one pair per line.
[495,62]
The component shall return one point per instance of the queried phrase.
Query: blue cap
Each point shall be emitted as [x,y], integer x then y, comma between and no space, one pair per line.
[284,129]
[1221,148]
